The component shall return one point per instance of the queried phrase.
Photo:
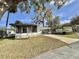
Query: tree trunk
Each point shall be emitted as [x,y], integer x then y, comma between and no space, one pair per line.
[7,22]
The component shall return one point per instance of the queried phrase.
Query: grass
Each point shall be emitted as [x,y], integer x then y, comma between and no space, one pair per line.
[73,35]
[27,48]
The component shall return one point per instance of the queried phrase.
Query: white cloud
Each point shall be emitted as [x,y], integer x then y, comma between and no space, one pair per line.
[69,2]
[52,2]
[61,14]
[65,21]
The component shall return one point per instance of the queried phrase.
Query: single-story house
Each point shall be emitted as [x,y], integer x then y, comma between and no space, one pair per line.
[25,30]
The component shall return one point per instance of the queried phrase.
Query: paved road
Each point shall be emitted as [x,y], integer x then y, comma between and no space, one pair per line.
[66,52]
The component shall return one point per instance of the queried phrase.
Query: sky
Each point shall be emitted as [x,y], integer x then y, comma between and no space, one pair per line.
[69,10]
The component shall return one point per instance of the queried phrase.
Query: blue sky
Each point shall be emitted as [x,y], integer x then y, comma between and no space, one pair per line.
[69,10]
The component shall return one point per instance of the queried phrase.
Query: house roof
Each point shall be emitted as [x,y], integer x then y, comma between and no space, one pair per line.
[23,24]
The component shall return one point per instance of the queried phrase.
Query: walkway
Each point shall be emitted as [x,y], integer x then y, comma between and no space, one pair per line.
[71,52]
[64,39]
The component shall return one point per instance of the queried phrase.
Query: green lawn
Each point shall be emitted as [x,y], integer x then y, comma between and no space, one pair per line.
[27,48]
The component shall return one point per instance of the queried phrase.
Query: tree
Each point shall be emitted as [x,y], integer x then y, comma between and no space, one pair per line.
[10,7]
[56,23]
[18,22]
[74,22]
[27,5]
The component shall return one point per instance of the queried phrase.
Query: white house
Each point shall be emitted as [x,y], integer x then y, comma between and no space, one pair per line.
[26,30]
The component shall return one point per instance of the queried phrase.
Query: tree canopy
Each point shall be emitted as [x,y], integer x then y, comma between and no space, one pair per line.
[18,22]
[75,20]
[26,5]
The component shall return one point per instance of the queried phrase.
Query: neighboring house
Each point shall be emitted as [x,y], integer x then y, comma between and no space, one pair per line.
[67,28]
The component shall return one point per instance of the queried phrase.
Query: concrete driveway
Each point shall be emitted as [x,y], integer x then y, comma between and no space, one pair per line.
[65,52]
[64,39]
